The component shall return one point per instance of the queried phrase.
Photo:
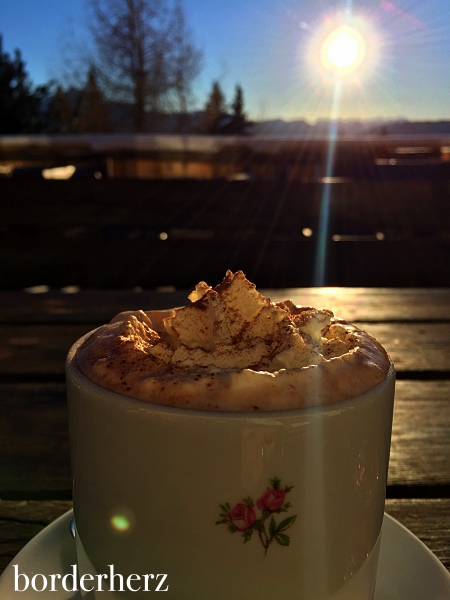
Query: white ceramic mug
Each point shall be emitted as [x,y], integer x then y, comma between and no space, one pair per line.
[229,505]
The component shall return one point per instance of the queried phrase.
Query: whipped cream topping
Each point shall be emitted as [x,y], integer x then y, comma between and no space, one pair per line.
[232,349]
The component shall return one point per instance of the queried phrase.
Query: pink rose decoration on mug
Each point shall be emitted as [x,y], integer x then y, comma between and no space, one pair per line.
[272,499]
[242,518]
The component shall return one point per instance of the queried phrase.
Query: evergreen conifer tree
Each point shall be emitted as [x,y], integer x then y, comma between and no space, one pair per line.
[215,110]
[20,104]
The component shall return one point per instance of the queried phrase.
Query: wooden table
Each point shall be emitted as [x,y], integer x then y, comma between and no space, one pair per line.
[36,331]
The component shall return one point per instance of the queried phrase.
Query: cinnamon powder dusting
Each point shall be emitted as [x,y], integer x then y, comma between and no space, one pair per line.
[232,349]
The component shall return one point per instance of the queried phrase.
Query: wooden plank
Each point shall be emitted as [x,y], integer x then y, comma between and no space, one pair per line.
[420,448]
[34,441]
[353,304]
[20,521]
[373,304]
[397,205]
[41,349]
[255,225]
[414,346]
[104,261]
[84,307]
[34,447]
[37,349]
[429,520]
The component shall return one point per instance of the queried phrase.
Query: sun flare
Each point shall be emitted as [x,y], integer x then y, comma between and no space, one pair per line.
[343,50]
[340,61]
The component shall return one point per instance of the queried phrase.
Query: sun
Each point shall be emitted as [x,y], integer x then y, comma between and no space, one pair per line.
[343,50]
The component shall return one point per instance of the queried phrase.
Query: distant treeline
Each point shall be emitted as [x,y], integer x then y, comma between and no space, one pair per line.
[121,81]
[353,127]
[25,108]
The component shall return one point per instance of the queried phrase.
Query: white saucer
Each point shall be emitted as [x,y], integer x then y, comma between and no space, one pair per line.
[407,569]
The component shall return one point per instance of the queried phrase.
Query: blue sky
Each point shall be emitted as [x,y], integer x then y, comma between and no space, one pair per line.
[271,48]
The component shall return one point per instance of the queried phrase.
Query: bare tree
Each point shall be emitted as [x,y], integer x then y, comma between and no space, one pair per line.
[139,45]
[185,63]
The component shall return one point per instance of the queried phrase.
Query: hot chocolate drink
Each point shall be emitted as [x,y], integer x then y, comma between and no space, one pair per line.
[233,349]
[236,446]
